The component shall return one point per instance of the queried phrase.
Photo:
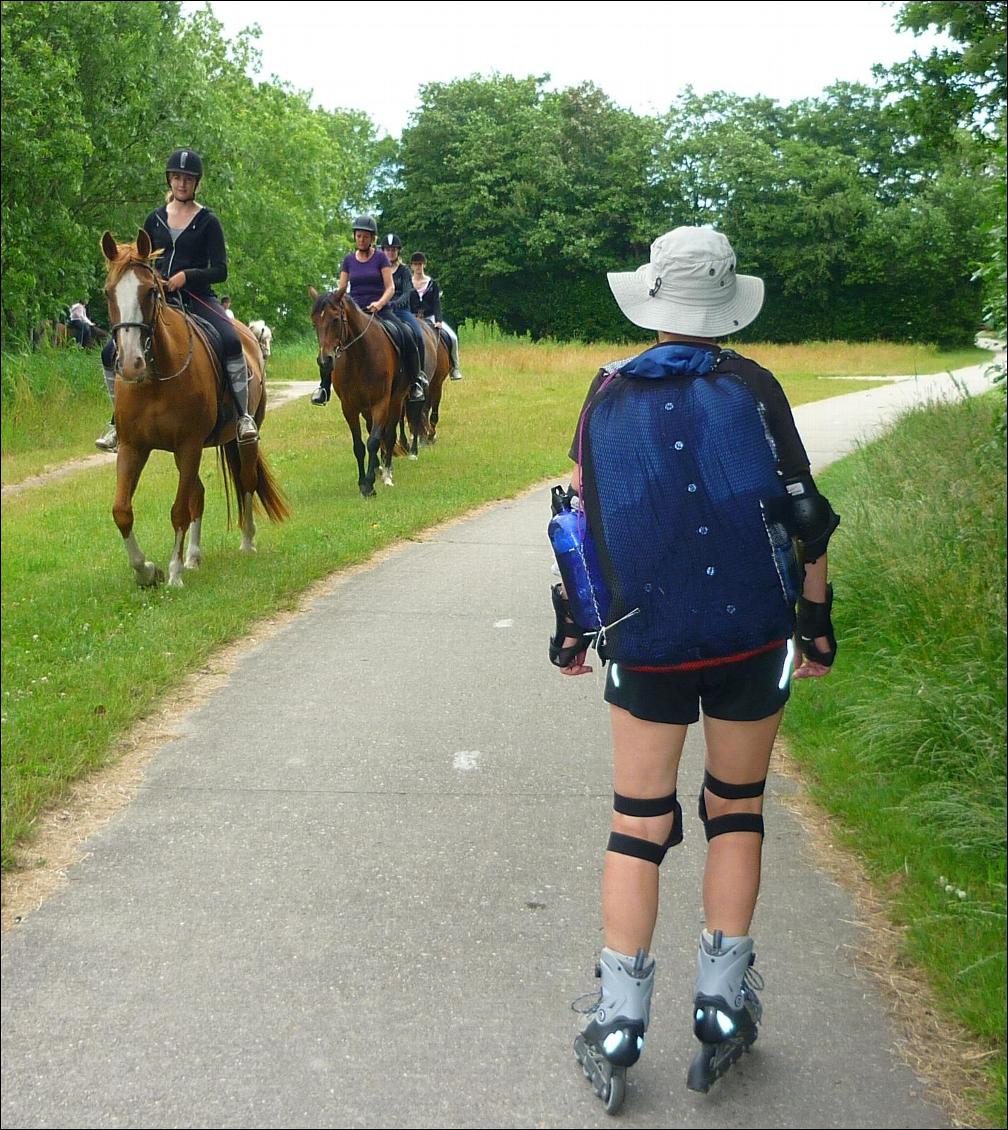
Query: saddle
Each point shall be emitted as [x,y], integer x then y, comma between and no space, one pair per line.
[396,332]
[401,337]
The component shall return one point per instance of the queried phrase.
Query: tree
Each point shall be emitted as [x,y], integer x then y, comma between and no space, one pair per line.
[91,110]
[966,88]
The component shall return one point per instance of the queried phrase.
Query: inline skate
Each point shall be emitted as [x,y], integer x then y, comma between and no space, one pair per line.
[613,1038]
[726,1009]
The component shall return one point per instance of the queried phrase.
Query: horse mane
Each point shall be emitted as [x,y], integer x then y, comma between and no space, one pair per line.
[323,300]
[127,255]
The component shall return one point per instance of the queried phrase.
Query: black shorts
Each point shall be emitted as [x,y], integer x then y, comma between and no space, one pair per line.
[735,692]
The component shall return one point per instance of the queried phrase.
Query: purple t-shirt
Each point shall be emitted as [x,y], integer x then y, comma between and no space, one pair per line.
[366,284]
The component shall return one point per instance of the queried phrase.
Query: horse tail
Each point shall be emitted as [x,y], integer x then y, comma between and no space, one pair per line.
[270,495]
[229,477]
[266,489]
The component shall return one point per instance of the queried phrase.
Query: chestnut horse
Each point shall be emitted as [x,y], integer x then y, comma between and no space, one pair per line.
[367,378]
[166,399]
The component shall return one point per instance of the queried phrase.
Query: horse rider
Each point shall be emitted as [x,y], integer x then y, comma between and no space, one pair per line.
[401,304]
[425,302]
[80,324]
[193,256]
[369,274]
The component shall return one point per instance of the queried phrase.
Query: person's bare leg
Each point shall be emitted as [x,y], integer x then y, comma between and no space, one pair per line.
[645,765]
[738,753]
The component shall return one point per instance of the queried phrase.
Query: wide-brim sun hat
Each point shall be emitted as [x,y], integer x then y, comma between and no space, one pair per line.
[690,286]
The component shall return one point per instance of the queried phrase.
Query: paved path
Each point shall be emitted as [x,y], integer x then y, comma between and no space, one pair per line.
[366,892]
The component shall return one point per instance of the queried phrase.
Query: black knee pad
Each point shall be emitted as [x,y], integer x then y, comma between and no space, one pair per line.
[731,821]
[636,846]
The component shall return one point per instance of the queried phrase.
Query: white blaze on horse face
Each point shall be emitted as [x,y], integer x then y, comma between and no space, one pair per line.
[129,342]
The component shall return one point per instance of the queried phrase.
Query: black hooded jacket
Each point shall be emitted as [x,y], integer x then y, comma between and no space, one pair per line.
[199,249]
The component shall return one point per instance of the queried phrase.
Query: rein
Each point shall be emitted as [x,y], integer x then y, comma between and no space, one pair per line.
[344,320]
[149,329]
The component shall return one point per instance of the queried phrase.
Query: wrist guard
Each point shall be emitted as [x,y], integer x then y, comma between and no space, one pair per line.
[813,621]
[559,655]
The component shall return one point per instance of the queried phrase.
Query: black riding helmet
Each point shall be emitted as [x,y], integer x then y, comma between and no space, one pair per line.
[391,240]
[365,223]
[184,161]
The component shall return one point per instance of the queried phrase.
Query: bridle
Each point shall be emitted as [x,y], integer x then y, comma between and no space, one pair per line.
[147,329]
[343,322]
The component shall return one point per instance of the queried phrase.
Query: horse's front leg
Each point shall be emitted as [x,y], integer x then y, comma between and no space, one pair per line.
[432,420]
[130,461]
[187,460]
[353,423]
[414,412]
[374,444]
[194,553]
[388,448]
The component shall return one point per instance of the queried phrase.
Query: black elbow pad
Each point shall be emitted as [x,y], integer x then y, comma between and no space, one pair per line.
[813,520]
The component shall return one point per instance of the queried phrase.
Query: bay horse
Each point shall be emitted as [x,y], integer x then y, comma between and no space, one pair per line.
[423,417]
[438,375]
[367,378]
[166,399]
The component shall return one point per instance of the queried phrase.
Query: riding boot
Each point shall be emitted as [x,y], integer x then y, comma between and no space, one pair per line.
[237,371]
[456,371]
[322,394]
[109,439]
[418,390]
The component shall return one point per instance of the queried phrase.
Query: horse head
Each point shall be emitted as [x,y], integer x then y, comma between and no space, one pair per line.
[134,290]
[264,335]
[334,316]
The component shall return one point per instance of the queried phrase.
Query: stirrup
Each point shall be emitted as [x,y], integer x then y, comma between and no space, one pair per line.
[321,395]
[108,440]
[559,655]
[456,374]
[246,430]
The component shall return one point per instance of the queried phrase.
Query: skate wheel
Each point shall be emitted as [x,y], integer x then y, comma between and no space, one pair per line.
[616,1091]
[701,1070]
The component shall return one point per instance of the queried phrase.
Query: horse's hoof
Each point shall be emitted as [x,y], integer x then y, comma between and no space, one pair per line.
[250,548]
[194,562]
[413,455]
[175,582]
[149,577]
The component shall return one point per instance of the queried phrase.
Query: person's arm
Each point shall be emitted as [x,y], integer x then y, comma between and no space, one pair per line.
[402,283]
[388,292]
[216,270]
[435,302]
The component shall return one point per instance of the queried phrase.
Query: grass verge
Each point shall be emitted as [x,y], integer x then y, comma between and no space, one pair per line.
[905,742]
[54,402]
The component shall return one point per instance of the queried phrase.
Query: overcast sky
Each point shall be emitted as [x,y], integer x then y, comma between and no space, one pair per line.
[375,56]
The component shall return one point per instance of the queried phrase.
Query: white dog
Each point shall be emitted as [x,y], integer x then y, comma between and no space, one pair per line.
[264,335]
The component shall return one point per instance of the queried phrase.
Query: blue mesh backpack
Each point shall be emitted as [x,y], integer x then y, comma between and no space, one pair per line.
[682,495]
